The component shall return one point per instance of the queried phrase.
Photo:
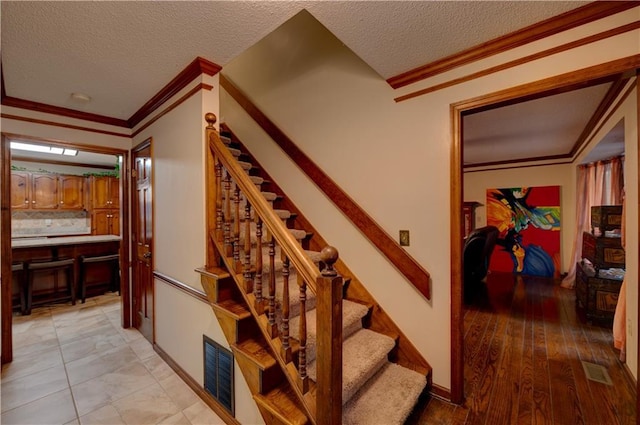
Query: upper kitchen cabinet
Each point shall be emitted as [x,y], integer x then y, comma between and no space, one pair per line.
[46,191]
[20,193]
[71,192]
[105,192]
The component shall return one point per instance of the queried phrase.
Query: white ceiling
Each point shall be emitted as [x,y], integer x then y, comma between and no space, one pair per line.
[122,53]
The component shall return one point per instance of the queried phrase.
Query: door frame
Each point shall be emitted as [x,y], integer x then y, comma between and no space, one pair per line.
[5,225]
[552,85]
[140,146]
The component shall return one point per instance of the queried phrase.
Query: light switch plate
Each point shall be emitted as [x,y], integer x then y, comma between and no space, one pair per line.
[404,238]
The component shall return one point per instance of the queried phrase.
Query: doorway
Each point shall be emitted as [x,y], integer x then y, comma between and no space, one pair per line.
[554,85]
[142,238]
[5,235]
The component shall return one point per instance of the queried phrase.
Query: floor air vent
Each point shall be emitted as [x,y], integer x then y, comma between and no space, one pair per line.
[218,373]
[597,373]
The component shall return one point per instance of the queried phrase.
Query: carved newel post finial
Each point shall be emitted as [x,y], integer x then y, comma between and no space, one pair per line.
[329,256]
[211,119]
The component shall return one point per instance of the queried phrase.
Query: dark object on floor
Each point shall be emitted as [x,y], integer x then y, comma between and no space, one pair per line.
[477,251]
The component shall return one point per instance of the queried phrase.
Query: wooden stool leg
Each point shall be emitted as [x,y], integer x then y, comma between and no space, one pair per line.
[83,284]
[115,277]
[22,284]
[29,291]
[72,284]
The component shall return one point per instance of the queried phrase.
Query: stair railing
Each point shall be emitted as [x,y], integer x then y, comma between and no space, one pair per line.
[242,217]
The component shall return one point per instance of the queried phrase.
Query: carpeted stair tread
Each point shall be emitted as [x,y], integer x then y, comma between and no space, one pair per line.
[226,140]
[235,152]
[256,180]
[296,233]
[283,214]
[363,354]
[294,294]
[246,166]
[388,398]
[270,196]
[352,314]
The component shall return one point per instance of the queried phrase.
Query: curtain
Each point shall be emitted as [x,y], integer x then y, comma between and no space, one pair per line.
[599,183]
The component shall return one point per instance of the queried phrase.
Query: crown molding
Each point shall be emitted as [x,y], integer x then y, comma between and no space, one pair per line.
[571,19]
[65,112]
[196,68]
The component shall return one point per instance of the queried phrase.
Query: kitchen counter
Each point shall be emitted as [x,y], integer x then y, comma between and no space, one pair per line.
[34,242]
[49,286]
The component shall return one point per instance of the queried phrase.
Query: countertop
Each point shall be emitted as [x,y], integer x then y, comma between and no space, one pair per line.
[63,240]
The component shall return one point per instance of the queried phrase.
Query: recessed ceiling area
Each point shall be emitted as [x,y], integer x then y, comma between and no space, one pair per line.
[539,128]
[81,159]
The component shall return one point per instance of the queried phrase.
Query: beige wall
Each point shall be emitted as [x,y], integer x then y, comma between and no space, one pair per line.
[178,158]
[476,184]
[392,158]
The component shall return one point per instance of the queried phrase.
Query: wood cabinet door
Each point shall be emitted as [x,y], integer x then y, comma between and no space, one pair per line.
[44,191]
[100,192]
[71,190]
[100,222]
[114,192]
[115,222]
[20,199]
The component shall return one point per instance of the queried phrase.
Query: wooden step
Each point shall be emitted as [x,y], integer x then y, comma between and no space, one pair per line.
[260,369]
[236,320]
[217,283]
[281,405]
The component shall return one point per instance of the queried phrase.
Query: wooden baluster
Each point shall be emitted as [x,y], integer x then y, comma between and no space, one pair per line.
[286,347]
[236,230]
[248,282]
[227,215]
[272,328]
[303,381]
[329,340]
[219,213]
[258,279]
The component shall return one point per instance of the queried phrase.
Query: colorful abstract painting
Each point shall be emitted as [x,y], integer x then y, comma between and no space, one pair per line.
[528,221]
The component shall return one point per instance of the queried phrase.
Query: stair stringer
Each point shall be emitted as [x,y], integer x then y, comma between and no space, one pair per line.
[275,399]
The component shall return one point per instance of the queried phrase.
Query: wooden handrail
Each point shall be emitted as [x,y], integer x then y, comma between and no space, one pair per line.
[285,239]
[322,402]
[387,245]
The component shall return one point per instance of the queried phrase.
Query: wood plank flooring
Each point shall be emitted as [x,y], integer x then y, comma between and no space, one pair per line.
[524,345]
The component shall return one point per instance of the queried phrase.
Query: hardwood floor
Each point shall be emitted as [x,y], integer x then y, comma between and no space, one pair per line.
[524,345]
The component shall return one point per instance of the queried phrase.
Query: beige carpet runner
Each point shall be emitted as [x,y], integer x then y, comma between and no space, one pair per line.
[375,391]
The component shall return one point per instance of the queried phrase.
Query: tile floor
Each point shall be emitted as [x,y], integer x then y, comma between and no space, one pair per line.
[76,365]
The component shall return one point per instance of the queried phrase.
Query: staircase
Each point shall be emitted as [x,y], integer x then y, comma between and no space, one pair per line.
[314,347]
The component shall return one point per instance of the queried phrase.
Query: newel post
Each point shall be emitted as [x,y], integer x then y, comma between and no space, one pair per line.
[329,341]
[212,184]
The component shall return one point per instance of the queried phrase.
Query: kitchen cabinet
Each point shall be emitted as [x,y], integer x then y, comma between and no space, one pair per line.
[105,222]
[71,192]
[105,202]
[20,193]
[37,191]
[105,192]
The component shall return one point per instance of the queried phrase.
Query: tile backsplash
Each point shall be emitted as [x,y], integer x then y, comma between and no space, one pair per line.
[39,223]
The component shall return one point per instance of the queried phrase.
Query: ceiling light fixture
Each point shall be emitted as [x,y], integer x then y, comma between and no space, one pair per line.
[43,149]
[81,97]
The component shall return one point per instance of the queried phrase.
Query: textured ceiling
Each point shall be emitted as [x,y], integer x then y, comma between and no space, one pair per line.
[122,53]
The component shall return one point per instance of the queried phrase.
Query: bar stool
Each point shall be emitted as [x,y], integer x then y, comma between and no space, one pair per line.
[114,278]
[17,270]
[50,266]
